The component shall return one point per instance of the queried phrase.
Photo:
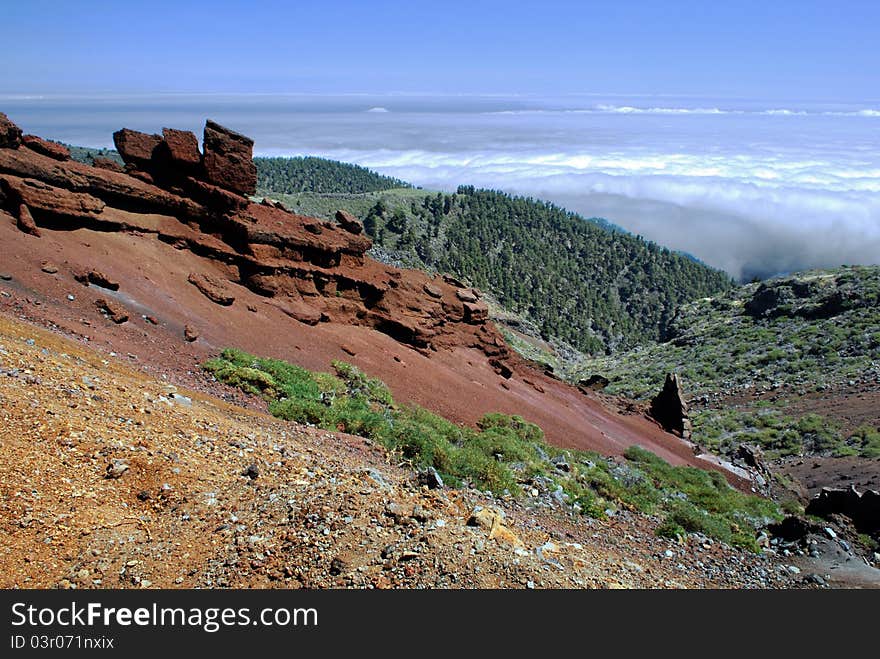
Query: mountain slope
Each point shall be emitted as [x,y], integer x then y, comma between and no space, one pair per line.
[791,364]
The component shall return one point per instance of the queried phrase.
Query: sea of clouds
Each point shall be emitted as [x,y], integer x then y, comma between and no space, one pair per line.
[753,188]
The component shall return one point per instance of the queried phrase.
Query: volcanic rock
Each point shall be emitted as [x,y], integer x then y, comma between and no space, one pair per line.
[212,288]
[466,295]
[349,222]
[115,311]
[97,278]
[595,382]
[45,147]
[434,291]
[26,221]
[182,148]
[670,409]
[10,134]
[190,333]
[229,159]
[863,508]
[300,311]
[47,199]
[136,148]
[475,313]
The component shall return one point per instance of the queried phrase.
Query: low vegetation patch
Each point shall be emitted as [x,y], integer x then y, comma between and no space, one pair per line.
[504,454]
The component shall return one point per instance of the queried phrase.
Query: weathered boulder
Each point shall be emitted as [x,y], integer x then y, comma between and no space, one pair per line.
[10,134]
[300,311]
[136,148]
[229,159]
[181,148]
[670,409]
[434,291]
[47,148]
[212,288]
[349,222]
[96,277]
[466,295]
[112,309]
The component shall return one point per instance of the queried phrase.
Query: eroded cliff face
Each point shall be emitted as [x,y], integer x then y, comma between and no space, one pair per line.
[196,200]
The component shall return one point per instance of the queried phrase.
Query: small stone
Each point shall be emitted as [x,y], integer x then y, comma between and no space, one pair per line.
[794,569]
[49,268]
[430,478]
[830,533]
[117,468]
[186,401]
[668,553]
[71,297]
[252,472]
[5,276]
[190,333]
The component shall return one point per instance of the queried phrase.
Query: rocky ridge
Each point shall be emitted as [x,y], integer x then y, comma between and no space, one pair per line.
[314,271]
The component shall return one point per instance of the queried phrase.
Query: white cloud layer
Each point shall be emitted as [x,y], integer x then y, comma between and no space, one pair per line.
[752,187]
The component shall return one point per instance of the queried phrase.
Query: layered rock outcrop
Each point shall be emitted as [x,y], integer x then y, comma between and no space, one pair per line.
[314,271]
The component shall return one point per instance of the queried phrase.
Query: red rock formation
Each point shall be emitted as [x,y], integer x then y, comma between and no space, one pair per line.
[26,221]
[182,148]
[106,163]
[229,159]
[136,148]
[10,134]
[349,222]
[314,271]
[47,148]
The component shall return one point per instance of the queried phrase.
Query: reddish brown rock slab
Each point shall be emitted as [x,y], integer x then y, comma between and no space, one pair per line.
[45,147]
[115,188]
[39,196]
[299,311]
[212,288]
[347,349]
[349,222]
[108,164]
[229,159]
[213,196]
[112,309]
[97,278]
[26,222]
[182,147]
[434,291]
[10,134]
[466,295]
[136,148]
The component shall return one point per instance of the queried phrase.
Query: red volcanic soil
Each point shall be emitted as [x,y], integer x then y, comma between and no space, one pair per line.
[300,290]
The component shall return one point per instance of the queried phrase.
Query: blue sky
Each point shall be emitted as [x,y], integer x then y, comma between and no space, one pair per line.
[767,49]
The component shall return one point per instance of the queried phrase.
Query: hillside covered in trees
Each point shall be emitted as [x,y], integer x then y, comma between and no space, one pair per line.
[308,174]
[597,289]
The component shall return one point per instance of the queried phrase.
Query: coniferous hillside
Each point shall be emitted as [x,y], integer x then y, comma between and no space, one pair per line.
[597,289]
[308,174]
